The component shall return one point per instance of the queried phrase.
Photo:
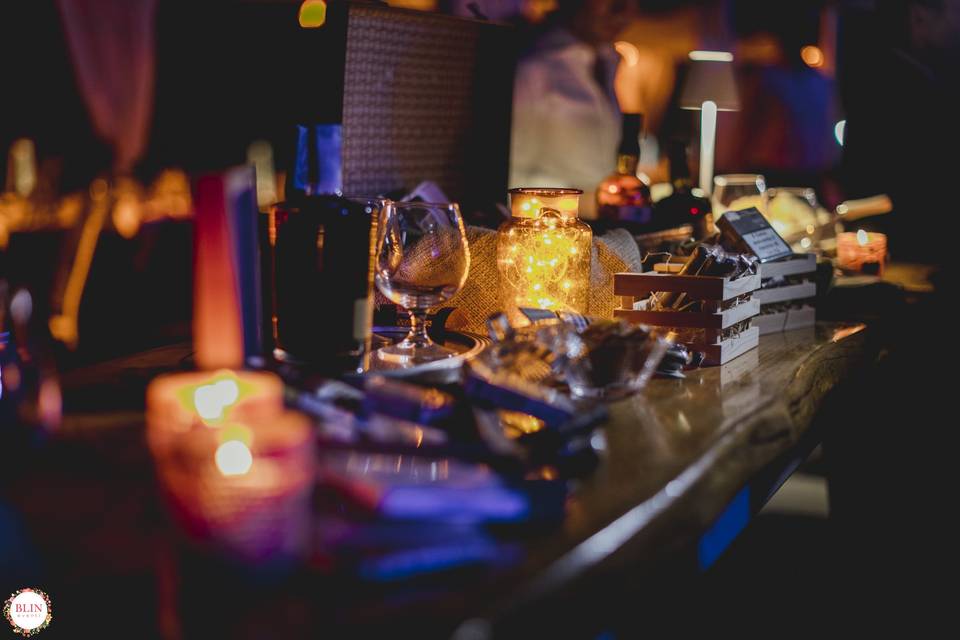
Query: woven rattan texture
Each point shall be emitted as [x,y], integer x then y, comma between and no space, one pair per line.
[409,100]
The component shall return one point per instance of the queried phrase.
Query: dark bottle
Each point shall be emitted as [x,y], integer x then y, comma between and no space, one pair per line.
[682,206]
[323,248]
[623,197]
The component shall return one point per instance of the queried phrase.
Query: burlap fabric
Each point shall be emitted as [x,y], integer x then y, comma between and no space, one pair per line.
[614,252]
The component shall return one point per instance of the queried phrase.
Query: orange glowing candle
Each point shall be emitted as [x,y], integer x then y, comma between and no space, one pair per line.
[862,251]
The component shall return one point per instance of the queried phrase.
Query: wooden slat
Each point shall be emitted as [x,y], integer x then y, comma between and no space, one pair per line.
[729,349]
[697,287]
[786,320]
[802,263]
[740,286]
[770,322]
[668,267]
[800,318]
[799,291]
[690,319]
[683,319]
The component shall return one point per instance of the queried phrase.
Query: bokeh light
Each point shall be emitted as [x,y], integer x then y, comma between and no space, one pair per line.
[313,14]
[812,56]
[233,458]
[839,130]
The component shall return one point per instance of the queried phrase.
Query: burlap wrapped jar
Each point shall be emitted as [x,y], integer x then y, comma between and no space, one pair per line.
[614,252]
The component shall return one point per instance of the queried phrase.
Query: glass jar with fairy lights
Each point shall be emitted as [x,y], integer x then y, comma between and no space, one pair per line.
[543,252]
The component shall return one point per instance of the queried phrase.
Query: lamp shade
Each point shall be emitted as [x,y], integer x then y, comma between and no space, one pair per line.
[710,77]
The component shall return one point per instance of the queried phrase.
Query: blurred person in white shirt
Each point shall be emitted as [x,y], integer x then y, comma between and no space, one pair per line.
[566,119]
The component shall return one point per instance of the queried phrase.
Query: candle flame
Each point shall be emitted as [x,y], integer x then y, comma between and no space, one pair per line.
[211,400]
[233,458]
[862,238]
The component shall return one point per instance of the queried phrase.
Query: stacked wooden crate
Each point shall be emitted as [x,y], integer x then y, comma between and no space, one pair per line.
[787,306]
[726,304]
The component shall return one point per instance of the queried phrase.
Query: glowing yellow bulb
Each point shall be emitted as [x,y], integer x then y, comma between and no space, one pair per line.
[313,14]
[233,458]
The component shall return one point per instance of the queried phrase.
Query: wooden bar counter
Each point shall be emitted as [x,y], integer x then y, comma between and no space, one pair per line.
[685,465]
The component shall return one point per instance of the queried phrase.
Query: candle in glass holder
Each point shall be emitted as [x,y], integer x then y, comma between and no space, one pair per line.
[543,252]
[862,252]
[179,402]
[244,487]
[235,466]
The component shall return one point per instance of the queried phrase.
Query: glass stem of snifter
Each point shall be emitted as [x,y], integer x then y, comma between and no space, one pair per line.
[418,329]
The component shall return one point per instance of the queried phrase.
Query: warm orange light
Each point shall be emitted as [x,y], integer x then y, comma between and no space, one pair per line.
[313,14]
[840,334]
[856,250]
[127,217]
[812,55]
[628,51]
[543,252]
[519,424]
[237,432]
[217,323]
[529,205]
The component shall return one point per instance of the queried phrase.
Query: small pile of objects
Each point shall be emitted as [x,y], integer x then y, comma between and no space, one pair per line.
[712,299]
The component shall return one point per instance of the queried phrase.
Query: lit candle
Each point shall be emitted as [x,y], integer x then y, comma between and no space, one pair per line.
[179,402]
[862,252]
[235,466]
[529,203]
[244,486]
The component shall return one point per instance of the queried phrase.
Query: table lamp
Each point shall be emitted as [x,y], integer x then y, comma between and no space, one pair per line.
[709,88]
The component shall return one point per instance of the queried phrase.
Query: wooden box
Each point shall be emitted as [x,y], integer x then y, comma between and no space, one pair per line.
[713,320]
[794,318]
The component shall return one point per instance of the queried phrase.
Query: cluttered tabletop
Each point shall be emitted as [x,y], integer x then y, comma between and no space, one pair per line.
[658,466]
